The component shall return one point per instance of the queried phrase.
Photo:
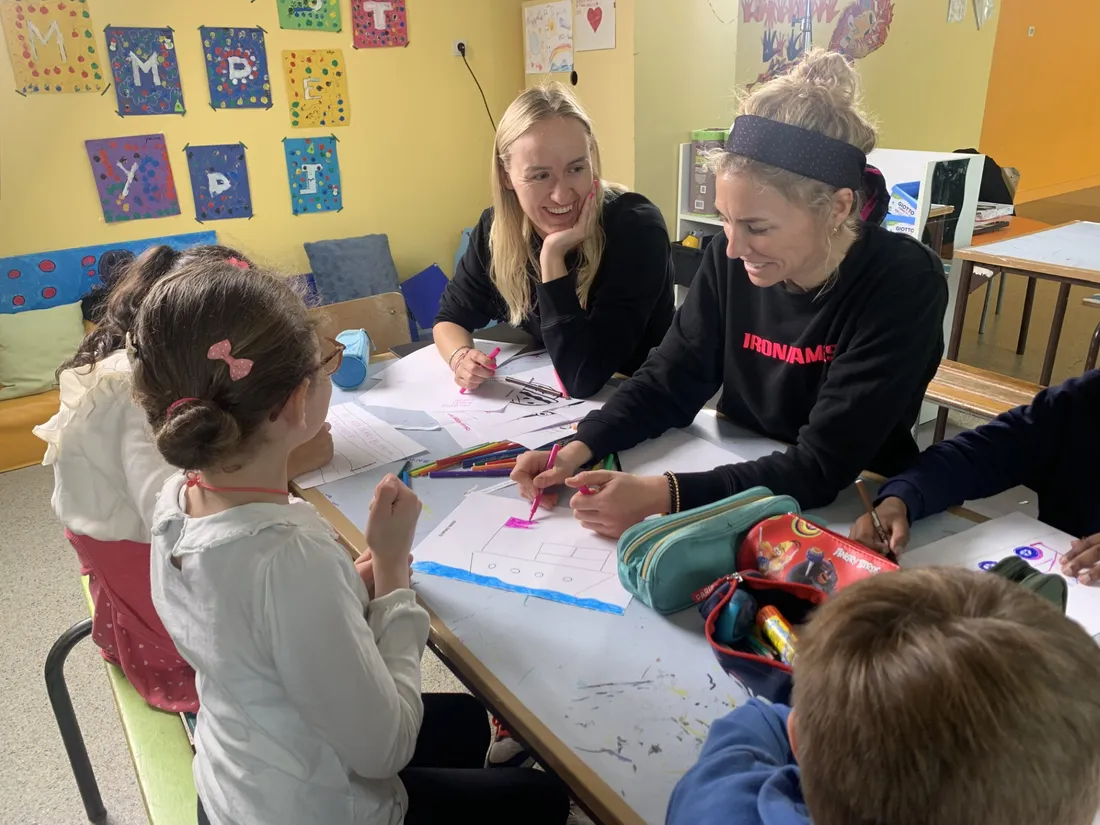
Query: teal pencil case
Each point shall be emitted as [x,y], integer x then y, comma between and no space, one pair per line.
[664,561]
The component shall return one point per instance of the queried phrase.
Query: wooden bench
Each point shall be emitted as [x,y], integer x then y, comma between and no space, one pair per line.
[975,391]
[158,743]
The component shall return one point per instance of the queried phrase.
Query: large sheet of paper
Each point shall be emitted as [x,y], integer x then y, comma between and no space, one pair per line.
[554,558]
[360,441]
[1039,545]
[423,381]
[676,451]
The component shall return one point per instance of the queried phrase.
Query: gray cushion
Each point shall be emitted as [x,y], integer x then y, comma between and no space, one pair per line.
[351,268]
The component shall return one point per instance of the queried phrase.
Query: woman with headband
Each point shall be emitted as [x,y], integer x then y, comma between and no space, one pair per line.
[820,330]
[580,263]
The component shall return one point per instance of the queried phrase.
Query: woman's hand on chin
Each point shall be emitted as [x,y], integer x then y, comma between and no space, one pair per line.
[615,501]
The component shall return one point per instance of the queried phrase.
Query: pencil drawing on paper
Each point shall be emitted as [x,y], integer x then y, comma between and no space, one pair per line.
[484,541]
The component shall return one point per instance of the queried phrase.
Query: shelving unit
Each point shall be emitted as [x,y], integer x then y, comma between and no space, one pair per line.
[686,222]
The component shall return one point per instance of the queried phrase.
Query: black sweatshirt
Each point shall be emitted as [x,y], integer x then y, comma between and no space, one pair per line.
[630,302]
[840,376]
[1049,446]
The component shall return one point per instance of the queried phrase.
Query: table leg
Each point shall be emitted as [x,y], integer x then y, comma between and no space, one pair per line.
[935,239]
[1025,319]
[961,296]
[941,426]
[1055,334]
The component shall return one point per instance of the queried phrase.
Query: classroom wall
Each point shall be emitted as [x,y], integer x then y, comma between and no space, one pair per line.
[605,83]
[926,84]
[684,77]
[413,160]
[1041,114]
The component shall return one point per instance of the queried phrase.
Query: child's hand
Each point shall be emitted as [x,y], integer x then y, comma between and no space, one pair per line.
[1083,560]
[894,516]
[365,566]
[314,454]
[390,528]
[473,368]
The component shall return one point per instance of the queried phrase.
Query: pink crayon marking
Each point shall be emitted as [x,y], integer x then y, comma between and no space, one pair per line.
[519,524]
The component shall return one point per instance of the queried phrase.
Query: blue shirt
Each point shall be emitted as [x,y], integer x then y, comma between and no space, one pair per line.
[746,773]
[1052,446]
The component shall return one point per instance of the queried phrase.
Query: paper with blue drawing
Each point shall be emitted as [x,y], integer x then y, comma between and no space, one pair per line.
[554,558]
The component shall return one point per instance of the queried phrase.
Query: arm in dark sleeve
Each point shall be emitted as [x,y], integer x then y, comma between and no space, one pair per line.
[470,299]
[1010,450]
[864,396]
[679,376]
[588,347]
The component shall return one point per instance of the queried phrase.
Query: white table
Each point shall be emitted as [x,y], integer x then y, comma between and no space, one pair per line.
[618,706]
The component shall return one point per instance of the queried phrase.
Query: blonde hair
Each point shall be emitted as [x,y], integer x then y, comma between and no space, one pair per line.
[820,93]
[510,235]
[943,696]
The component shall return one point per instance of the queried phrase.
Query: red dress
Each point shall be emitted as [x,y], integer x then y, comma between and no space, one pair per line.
[126,626]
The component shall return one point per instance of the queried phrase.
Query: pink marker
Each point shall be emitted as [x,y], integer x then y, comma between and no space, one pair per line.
[538,496]
[492,355]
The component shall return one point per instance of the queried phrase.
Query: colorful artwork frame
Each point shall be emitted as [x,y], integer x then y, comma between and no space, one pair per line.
[316,88]
[145,70]
[313,173]
[133,177]
[310,15]
[41,280]
[52,46]
[236,67]
[219,181]
[366,15]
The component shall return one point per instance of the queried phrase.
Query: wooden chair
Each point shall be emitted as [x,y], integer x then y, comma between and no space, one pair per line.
[975,391]
[157,740]
[384,317]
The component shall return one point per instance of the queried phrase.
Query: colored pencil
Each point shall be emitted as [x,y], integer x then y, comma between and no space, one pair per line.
[561,386]
[495,465]
[470,473]
[458,458]
[492,355]
[404,476]
[538,496]
[497,456]
[869,506]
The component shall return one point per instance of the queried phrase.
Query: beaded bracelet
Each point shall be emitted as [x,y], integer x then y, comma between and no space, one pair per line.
[673,492]
[451,360]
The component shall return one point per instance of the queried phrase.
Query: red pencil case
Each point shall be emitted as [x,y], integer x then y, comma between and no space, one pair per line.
[794,565]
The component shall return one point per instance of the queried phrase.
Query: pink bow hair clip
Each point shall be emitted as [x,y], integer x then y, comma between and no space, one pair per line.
[238,367]
[237,262]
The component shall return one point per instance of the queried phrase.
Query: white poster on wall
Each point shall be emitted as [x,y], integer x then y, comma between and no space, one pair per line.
[956,11]
[548,37]
[983,10]
[594,25]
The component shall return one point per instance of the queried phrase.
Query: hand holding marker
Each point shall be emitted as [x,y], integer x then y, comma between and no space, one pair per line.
[492,355]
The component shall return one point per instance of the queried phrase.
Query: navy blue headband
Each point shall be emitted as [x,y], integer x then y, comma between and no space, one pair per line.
[802,151]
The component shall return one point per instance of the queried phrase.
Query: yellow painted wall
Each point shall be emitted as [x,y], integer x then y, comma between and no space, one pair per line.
[926,85]
[413,161]
[1041,115]
[605,86]
[684,77]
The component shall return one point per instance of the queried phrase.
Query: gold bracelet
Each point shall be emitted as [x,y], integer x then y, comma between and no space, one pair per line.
[453,354]
[673,492]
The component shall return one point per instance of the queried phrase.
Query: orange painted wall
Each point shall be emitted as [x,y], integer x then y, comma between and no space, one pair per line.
[1042,110]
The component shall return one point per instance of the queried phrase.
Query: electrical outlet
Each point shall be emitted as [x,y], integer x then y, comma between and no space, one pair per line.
[460,46]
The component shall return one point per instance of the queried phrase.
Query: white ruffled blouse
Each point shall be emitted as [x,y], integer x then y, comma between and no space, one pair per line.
[107,471]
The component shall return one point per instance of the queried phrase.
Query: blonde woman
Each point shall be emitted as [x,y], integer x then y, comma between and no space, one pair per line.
[820,330]
[579,263]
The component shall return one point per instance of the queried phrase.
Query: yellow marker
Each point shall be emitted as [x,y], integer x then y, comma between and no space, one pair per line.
[778,632]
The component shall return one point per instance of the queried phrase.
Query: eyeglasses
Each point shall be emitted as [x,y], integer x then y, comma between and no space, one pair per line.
[331,362]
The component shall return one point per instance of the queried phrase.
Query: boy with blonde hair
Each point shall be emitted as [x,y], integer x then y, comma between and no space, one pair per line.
[935,696]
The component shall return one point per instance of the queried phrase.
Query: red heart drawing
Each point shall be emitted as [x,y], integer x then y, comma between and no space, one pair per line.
[595,17]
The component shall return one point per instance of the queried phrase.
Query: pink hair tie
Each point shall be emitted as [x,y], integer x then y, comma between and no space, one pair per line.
[172,407]
[238,367]
[237,262]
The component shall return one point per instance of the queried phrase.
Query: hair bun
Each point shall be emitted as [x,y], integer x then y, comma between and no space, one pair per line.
[198,435]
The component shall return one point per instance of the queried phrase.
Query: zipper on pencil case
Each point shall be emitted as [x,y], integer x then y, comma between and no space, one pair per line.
[682,520]
[659,545]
